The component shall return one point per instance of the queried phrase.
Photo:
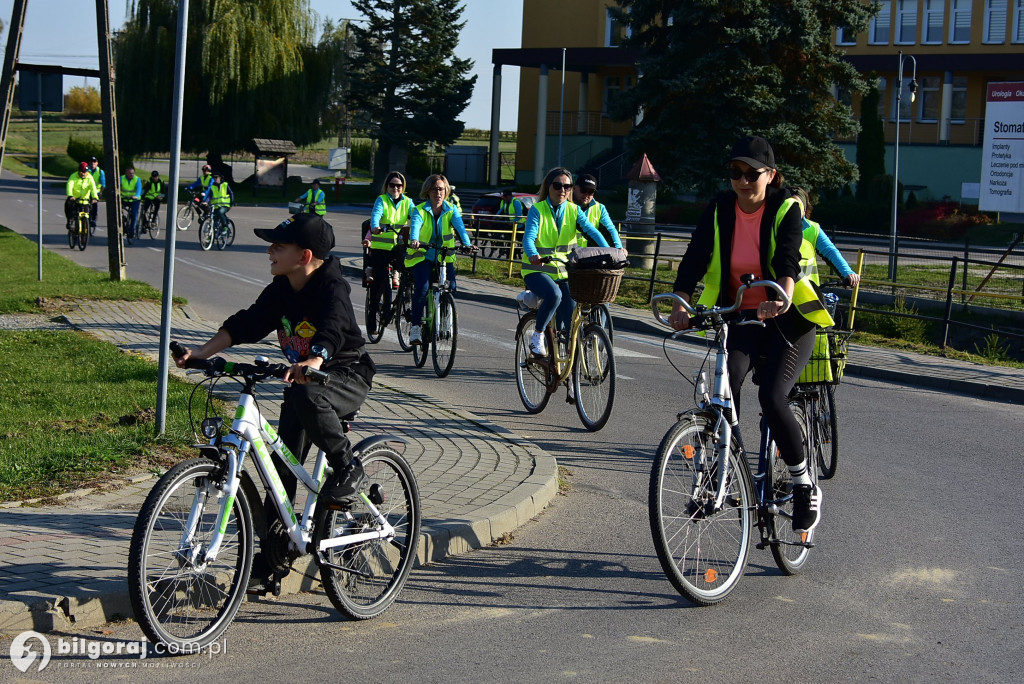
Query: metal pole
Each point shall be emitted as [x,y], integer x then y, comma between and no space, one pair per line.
[172,206]
[895,172]
[39,164]
[561,110]
[949,304]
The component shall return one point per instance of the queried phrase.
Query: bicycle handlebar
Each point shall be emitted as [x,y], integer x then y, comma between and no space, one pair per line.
[715,310]
[259,370]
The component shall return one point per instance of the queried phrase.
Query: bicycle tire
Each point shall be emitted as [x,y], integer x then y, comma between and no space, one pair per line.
[83,233]
[531,374]
[373,316]
[230,237]
[152,224]
[702,551]
[183,219]
[826,426]
[206,235]
[790,557]
[593,377]
[72,236]
[602,315]
[421,351]
[403,319]
[384,564]
[176,602]
[446,339]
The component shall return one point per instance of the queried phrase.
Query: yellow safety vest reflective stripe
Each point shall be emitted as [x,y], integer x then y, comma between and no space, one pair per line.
[809,252]
[553,241]
[393,215]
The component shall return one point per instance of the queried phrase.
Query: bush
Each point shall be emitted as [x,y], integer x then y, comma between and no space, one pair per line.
[941,221]
[896,327]
[81,150]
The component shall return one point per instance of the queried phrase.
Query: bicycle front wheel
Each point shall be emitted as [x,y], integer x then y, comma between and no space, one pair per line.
[789,555]
[702,546]
[593,377]
[403,320]
[206,235]
[826,432]
[177,599]
[83,232]
[374,316]
[184,217]
[153,225]
[531,373]
[363,579]
[446,337]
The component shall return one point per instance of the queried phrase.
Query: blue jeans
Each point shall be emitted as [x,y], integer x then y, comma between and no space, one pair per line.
[133,229]
[421,283]
[554,297]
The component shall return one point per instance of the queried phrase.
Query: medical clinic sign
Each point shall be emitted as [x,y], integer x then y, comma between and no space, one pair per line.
[1002,164]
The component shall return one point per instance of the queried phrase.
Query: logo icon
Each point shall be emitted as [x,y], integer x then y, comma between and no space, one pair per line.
[23,654]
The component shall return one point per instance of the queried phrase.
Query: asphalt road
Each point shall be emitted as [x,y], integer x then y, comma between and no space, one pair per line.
[913,579]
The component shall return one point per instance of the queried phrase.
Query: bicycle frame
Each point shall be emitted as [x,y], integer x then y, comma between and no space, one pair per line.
[250,432]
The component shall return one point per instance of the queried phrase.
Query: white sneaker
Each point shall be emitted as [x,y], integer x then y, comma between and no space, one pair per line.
[537,345]
[414,335]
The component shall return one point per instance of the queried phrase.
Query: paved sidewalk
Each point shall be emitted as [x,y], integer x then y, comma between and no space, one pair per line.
[65,564]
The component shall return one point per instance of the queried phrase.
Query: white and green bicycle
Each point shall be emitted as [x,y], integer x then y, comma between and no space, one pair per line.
[192,547]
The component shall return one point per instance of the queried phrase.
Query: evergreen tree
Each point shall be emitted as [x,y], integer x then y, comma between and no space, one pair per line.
[871,141]
[252,70]
[406,82]
[716,70]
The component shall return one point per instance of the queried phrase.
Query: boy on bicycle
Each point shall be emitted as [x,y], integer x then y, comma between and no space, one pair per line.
[309,304]
[80,187]
[220,197]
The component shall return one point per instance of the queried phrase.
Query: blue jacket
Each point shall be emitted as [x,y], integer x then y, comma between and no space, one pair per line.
[533,228]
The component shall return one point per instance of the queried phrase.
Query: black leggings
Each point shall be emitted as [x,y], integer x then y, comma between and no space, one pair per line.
[780,349]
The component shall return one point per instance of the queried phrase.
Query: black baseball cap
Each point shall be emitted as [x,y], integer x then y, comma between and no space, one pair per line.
[308,231]
[92,159]
[755,151]
[506,192]
[315,181]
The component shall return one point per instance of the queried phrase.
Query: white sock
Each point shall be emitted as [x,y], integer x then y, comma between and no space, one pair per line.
[799,475]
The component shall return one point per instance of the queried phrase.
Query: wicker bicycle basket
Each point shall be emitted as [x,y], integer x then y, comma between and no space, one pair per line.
[595,286]
[828,360]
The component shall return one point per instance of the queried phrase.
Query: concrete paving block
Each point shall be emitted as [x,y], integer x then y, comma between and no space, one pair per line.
[503,519]
[467,535]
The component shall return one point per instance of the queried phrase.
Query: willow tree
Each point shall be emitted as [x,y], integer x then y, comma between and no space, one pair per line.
[406,82]
[252,71]
[715,70]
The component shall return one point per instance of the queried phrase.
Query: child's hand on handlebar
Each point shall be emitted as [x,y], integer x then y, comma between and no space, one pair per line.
[297,372]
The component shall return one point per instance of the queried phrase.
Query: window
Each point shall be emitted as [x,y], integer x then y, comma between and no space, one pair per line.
[906,22]
[880,24]
[933,14]
[615,31]
[960,21]
[929,95]
[995,22]
[958,112]
[845,36]
[1018,21]
[906,106]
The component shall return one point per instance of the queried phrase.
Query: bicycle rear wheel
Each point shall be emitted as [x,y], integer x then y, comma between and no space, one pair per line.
[826,432]
[72,236]
[601,314]
[789,555]
[183,219]
[403,319]
[369,575]
[83,232]
[593,377]
[176,600]
[446,338]
[229,235]
[531,373]
[152,224]
[421,351]
[702,548]
[374,316]
[206,235]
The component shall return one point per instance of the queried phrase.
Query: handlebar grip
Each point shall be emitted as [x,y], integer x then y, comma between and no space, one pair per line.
[317,375]
[202,364]
[177,350]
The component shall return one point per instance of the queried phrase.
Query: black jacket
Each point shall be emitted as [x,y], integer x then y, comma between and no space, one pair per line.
[786,262]
[319,314]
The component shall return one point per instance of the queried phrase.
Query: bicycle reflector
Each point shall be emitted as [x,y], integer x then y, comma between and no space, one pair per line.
[211,427]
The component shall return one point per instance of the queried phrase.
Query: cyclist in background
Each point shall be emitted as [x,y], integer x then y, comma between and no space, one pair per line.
[583,195]
[131,194]
[200,186]
[220,197]
[153,194]
[391,208]
[80,186]
[314,200]
[551,228]
[433,225]
[817,242]
[510,206]
[454,200]
[100,178]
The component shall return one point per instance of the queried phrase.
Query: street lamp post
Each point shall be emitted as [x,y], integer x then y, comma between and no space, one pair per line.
[896,158]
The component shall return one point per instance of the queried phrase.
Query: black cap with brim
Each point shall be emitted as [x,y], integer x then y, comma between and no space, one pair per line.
[754,151]
[307,231]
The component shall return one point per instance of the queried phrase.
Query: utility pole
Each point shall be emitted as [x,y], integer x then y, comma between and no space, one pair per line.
[14,33]
[115,245]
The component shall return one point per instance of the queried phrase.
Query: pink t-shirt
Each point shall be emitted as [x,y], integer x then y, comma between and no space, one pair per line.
[746,256]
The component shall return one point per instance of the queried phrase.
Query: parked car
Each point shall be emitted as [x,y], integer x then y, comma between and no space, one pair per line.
[494,235]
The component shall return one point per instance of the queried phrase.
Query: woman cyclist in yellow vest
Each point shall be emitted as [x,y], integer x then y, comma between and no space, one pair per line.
[756,227]
[391,208]
[549,236]
[433,224]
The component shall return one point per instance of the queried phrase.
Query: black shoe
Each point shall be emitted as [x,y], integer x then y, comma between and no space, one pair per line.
[261,586]
[343,486]
[806,509]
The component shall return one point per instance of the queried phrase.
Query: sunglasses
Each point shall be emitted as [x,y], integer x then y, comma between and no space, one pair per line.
[562,186]
[395,185]
[751,176]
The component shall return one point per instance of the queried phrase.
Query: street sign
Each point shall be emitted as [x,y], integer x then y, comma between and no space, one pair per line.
[29,97]
[337,158]
[1002,164]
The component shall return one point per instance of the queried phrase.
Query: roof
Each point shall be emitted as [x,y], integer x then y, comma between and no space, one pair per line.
[643,170]
[269,146]
[576,59]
